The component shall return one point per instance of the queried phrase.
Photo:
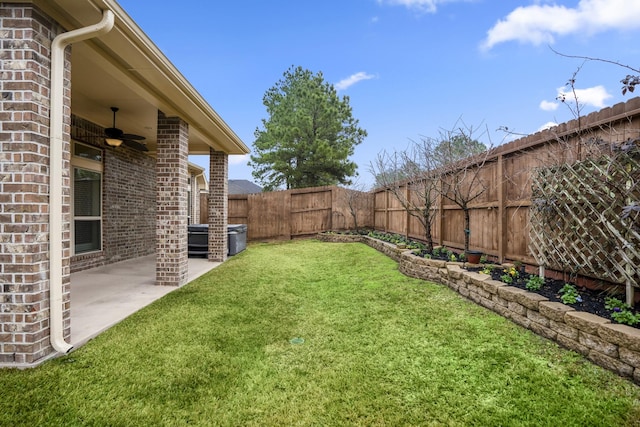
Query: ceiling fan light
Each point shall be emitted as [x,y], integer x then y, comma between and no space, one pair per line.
[113,142]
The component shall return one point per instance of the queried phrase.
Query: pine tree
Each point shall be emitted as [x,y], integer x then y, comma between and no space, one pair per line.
[309,135]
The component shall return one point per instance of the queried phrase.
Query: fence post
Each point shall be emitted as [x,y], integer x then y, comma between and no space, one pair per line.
[441,215]
[287,214]
[408,214]
[386,209]
[502,211]
[334,195]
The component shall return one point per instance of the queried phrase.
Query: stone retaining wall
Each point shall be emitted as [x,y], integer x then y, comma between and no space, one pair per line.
[613,346]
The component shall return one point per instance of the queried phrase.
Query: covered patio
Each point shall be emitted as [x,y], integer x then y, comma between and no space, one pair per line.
[99,129]
[103,296]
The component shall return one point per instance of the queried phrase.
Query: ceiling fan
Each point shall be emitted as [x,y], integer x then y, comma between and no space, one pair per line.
[114,136]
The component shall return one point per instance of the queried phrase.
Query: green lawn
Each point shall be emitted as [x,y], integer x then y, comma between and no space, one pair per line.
[379,349]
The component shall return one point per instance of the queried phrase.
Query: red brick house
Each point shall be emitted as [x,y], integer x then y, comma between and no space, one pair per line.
[69,200]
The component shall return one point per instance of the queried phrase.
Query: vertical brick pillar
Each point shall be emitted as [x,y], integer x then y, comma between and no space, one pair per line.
[171,220]
[25,69]
[218,205]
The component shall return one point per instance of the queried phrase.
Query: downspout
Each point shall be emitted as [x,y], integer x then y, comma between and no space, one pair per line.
[56,321]
[197,190]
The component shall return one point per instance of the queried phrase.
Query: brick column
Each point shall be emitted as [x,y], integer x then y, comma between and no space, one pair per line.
[218,203]
[172,180]
[25,68]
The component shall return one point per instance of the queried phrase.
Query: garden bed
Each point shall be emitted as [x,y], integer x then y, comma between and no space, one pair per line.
[589,301]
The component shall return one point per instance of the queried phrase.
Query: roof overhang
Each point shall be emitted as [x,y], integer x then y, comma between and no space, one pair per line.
[125,69]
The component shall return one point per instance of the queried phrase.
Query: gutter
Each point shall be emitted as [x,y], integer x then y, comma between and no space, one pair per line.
[60,42]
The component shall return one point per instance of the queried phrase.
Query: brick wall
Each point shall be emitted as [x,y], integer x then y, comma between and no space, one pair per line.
[171,226]
[129,204]
[24,184]
[128,200]
[217,205]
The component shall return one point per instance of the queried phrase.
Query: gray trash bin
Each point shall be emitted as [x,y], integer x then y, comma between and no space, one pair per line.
[237,238]
[198,239]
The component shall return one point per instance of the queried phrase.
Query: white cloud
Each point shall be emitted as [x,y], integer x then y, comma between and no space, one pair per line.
[423,5]
[353,79]
[429,6]
[541,23]
[238,159]
[593,96]
[547,125]
[549,106]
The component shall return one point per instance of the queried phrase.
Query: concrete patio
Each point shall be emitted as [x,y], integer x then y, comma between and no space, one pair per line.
[103,296]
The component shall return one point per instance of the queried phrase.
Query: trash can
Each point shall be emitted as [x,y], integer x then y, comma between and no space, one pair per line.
[237,238]
[198,240]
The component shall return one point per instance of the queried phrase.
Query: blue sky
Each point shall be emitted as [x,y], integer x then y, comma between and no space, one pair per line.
[409,67]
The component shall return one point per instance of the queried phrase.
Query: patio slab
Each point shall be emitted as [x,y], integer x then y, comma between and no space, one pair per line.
[103,296]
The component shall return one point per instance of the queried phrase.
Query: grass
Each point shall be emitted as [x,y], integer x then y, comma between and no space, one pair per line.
[379,349]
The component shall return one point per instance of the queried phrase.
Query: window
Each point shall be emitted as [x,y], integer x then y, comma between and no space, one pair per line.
[86,152]
[87,199]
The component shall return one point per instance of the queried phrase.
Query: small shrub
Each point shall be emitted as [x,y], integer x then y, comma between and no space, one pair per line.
[621,312]
[506,278]
[487,269]
[569,294]
[626,317]
[612,303]
[510,274]
[534,283]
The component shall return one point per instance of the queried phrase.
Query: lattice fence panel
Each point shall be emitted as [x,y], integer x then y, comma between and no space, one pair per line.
[576,218]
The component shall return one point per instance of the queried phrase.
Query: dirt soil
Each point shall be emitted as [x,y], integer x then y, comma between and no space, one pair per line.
[592,301]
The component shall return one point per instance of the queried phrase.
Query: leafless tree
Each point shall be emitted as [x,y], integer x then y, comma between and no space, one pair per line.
[462,180]
[449,165]
[411,176]
[354,197]
[629,83]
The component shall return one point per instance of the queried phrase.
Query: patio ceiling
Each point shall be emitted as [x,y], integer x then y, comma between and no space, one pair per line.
[125,69]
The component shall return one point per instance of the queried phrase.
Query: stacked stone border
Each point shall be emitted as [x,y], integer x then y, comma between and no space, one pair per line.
[612,346]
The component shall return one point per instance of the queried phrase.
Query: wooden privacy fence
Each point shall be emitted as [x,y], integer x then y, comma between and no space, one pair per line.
[500,217]
[290,214]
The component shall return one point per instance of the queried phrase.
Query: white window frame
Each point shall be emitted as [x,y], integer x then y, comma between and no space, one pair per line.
[93,166]
[189,199]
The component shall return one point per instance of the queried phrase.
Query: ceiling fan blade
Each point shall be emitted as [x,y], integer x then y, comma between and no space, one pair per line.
[135,145]
[133,137]
[130,140]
